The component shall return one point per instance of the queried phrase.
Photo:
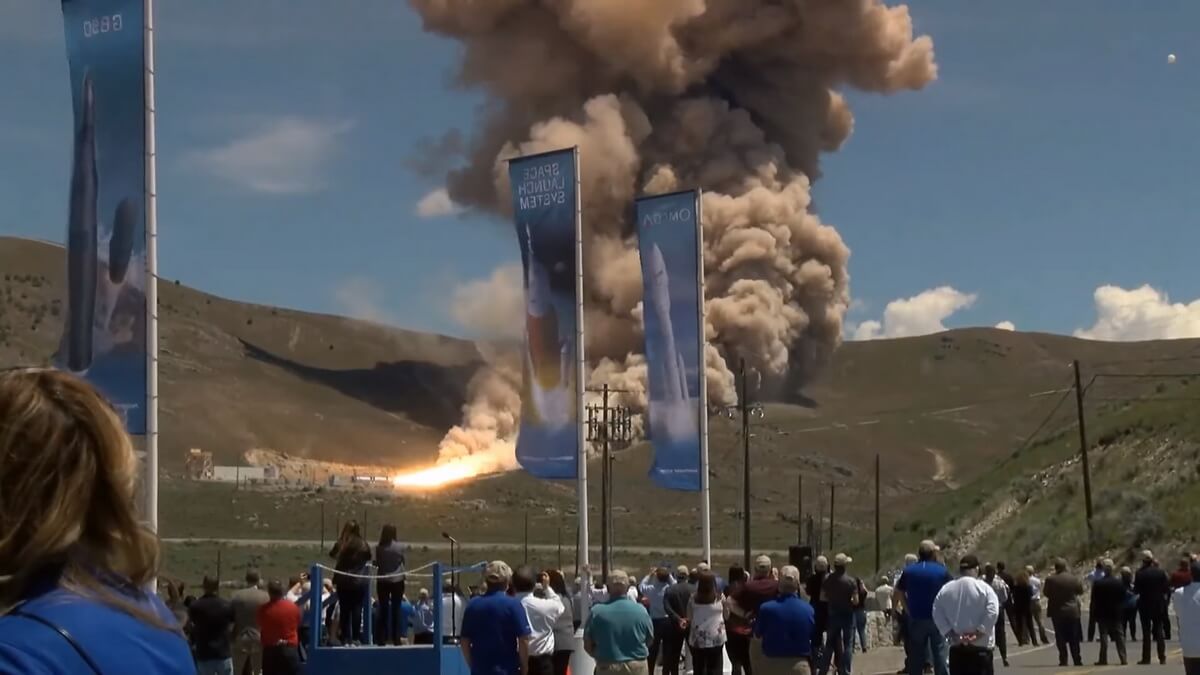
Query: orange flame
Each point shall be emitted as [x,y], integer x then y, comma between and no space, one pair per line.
[438,476]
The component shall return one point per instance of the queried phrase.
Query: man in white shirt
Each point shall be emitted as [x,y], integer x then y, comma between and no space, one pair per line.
[1092,577]
[965,611]
[883,597]
[453,607]
[1036,584]
[1003,593]
[1187,609]
[543,613]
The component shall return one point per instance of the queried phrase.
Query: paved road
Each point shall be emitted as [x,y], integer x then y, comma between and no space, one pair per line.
[441,544]
[1027,661]
[1042,660]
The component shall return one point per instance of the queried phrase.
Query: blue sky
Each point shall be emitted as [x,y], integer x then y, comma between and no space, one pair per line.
[1058,153]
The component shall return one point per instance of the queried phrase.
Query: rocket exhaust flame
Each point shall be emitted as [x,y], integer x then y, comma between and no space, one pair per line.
[437,476]
[736,97]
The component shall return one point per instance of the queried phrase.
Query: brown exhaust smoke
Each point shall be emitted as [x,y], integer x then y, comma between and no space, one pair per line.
[736,97]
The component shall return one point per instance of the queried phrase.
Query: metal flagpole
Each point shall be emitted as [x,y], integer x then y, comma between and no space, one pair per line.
[705,500]
[150,478]
[580,384]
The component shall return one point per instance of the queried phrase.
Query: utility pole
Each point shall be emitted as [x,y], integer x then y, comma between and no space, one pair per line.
[608,425]
[832,493]
[747,409]
[820,538]
[799,509]
[878,553]
[744,402]
[1083,449]
[559,567]
[526,537]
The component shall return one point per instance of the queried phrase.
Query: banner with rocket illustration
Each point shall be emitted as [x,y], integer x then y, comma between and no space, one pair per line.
[667,229]
[544,210]
[104,335]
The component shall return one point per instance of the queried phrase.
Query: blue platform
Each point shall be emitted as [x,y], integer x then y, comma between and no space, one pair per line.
[372,660]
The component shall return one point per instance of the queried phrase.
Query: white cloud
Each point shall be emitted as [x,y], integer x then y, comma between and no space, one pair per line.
[921,314]
[437,203]
[1143,313]
[361,298]
[287,156]
[493,307]
[1006,325]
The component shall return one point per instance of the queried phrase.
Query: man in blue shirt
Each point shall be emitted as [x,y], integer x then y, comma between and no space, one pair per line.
[916,590]
[423,619]
[619,632]
[495,628]
[654,588]
[783,628]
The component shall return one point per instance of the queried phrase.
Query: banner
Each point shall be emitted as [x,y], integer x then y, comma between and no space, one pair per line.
[104,336]
[544,210]
[667,228]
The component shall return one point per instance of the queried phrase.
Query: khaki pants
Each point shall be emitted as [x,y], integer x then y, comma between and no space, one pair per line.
[624,667]
[765,665]
[247,655]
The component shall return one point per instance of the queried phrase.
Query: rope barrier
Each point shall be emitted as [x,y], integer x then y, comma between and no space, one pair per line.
[408,573]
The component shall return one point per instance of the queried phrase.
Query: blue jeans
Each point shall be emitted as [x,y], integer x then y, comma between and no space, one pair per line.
[837,643]
[860,628]
[217,667]
[923,634]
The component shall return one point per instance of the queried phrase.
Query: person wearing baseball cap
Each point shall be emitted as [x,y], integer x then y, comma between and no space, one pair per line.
[619,632]
[495,628]
[783,630]
[965,611]
[675,602]
[759,589]
[1152,586]
[916,591]
[840,590]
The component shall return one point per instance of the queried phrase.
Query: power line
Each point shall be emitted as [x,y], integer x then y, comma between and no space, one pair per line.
[1053,411]
[1147,376]
[872,418]
[1136,399]
[1194,355]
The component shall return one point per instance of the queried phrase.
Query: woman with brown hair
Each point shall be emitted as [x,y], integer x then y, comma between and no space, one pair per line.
[706,615]
[1022,599]
[564,626]
[352,554]
[74,560]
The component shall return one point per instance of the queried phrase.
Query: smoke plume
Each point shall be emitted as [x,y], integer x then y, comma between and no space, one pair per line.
[737,97]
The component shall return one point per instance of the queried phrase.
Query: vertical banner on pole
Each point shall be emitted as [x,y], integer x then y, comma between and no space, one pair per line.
[544,211]
[667,228]
[104,336]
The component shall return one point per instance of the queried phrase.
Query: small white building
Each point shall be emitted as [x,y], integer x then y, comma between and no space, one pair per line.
[239,474]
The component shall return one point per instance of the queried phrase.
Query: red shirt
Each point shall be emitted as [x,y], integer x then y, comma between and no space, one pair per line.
[1181,578]
[279,623]
[756,592]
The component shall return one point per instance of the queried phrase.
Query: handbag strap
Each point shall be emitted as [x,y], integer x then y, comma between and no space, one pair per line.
[66,635]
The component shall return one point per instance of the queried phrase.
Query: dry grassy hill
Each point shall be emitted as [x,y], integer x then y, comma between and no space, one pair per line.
[941,410]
